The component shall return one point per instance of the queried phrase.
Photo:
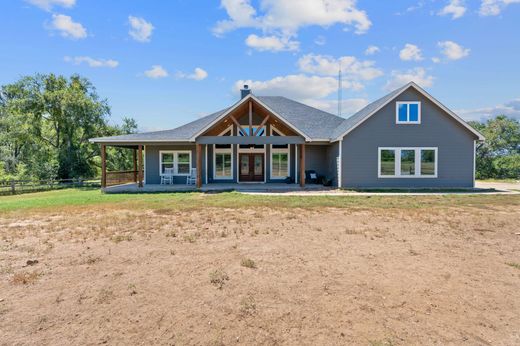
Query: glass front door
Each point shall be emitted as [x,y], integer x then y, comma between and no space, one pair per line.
[251,167]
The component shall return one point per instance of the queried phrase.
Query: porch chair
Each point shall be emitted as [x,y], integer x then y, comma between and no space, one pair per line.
[192,178]
[167,177]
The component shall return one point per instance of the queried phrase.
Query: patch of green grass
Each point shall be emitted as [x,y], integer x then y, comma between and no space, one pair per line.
[73,198]
[514,265]
[248,263]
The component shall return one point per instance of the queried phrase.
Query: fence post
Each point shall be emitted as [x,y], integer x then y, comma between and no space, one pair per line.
[13,187]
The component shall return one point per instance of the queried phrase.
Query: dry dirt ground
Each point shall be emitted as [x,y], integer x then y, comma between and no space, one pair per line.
[332,276]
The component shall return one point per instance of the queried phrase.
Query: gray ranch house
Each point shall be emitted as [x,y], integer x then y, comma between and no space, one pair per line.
[406,139]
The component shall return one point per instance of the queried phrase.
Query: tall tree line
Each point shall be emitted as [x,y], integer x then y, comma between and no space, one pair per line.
[45,123]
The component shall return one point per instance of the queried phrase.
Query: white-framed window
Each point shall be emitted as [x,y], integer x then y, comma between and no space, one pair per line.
[408,112]
[407,162]
[223,158]
[280,157]
[174,162]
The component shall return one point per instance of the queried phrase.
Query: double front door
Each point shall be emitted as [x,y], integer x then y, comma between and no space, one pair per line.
[251,166]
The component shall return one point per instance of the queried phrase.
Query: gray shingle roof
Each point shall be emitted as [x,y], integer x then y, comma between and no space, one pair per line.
[363,113]
[181,133]
[315,123]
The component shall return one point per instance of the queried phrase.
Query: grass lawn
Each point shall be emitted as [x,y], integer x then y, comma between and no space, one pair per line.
[54,200]
[82,267]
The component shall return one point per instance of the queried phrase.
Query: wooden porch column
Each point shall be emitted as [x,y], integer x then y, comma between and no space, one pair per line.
[134,156]
[302,165]
[250,118]
[140,165]
[199,165]
[103,166]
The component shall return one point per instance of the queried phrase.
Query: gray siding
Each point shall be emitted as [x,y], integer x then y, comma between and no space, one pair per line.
[152,162]
[437,129]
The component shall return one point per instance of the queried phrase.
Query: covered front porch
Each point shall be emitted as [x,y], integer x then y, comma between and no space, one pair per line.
[213,187]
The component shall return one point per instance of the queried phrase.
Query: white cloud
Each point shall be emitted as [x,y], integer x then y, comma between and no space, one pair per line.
[494,7]
[511,109]
[352,68]
[198,74]
[140,29]
[47,5]
[455,8]
[91,61]
[157,71]
[67,27]
[371,50]
[280,21]
[271,43]
[284,17]
[320,40]
[436,60]
[452,50]
[298,87]
[417,75]
[410,52]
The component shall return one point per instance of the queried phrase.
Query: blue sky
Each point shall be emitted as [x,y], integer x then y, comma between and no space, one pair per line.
[165,63]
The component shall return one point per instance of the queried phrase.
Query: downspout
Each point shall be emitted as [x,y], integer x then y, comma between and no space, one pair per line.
[340,164]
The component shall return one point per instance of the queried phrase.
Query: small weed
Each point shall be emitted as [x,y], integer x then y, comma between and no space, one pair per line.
[218,277]
[105,296]
[171,234]
[248,263]
[513,264]
[25,278]
[172,252]
[133,289]
[120,237]
[248,306]
[190,238]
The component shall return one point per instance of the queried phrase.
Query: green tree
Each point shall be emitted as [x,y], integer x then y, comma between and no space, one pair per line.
[499,155]
[45,124]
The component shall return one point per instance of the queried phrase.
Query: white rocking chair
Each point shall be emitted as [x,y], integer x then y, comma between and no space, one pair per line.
[192,178]
[167,177]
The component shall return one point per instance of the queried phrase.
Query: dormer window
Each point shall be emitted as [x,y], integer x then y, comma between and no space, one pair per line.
[408,112]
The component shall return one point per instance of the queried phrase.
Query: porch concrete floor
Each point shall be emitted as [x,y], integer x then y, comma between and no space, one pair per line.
[215,187]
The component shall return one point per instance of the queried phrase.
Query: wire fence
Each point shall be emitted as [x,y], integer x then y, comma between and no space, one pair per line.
[14,187]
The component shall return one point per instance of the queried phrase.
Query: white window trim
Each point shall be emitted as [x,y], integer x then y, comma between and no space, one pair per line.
[223,151]
[279,151]
[175,161]
[397,167]
[398,103]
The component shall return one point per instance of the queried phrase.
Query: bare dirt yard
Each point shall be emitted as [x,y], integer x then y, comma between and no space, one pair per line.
[386,271]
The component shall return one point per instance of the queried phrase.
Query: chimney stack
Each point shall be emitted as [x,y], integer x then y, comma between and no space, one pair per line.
[245,91]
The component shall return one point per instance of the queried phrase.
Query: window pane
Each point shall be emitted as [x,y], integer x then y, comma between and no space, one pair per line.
[387,162]
[414,111]
[403,112]
[407,162]
[227,165]
[428,162]
[280,162]
[183,168]
[223,164]
[184,158]
[166,166]
[167,157]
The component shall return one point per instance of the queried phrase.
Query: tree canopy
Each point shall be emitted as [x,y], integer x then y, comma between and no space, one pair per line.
[45,124]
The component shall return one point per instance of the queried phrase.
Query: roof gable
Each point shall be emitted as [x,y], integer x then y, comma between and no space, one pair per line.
[358,118]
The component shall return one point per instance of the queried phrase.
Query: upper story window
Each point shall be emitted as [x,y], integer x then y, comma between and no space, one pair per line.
[408,112]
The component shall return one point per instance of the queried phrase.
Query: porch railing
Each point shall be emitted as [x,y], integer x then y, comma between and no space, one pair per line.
[122,177]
